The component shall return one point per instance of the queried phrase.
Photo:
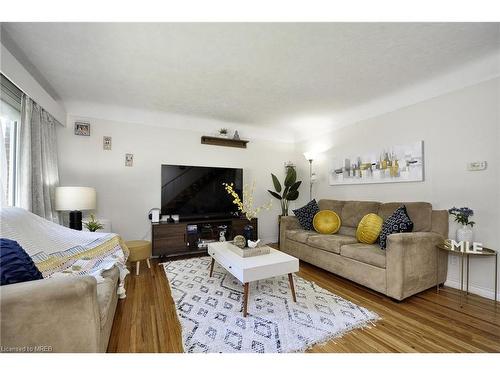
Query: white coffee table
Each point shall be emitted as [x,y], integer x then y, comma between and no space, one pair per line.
[250,269]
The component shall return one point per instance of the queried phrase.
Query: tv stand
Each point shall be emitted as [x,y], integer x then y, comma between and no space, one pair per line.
[179,239]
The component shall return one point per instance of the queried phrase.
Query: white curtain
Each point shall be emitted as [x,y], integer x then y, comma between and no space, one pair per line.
[3,169]
[38,168]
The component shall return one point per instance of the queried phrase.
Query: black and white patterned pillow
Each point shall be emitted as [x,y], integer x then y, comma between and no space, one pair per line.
[305,214]
[398,222]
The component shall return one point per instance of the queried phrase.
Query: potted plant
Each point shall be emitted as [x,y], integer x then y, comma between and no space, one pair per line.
[223,132]
[290,191]
[462,216]
[246,206]
[93,225]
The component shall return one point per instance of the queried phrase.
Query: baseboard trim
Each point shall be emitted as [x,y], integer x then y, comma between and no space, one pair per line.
[474,289]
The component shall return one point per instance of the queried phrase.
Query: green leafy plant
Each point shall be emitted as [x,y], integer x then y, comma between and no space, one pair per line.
[93,225]
[223,131]
[290,190]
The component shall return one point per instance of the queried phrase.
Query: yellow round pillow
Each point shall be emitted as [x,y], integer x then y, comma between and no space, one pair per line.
[369,228]
[326,222]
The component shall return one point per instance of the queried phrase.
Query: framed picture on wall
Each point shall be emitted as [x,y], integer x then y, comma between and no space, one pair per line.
[393,163]
[82,128]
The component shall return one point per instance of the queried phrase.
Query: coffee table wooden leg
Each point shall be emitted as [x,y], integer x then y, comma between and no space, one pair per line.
[245,299]
[292,287]
[212,267]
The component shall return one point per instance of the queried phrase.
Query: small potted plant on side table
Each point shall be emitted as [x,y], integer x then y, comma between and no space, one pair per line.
[462,216]
[93,225]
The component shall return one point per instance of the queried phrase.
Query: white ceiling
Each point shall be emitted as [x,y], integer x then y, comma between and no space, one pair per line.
[252,73]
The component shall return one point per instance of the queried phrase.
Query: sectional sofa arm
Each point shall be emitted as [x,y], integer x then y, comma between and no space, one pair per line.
[288,222]
[411,263]
[57,314]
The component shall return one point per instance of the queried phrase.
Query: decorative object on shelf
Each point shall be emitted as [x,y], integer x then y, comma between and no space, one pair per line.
[253,244]
[93,225]
[312,176]
[239,241]
[236,136]
[75,199]
[106,143]
[227,142]
[82,128]
[399,163]
[326,222]
[369,228]
[223,132]
[290,192]
[129,160]
[222,232]
[245,206]
[462,216]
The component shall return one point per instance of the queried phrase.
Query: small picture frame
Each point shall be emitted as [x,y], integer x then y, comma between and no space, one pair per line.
[82,128]
[106,143]
[129,160]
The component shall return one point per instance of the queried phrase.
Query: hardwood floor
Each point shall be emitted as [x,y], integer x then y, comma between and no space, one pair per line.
[146,320]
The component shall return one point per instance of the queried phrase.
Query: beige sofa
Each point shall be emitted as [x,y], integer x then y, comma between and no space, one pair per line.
[67,314]
[407,266]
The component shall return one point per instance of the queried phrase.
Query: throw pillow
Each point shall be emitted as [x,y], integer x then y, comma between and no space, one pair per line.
[398,222]
[305,214]
[326,222]
[16,266]
[369,228]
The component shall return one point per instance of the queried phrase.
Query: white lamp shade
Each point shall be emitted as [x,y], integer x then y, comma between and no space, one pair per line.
[75,198]
[309,155]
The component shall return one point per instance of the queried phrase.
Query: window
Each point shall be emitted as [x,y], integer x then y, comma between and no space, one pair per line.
[10,120]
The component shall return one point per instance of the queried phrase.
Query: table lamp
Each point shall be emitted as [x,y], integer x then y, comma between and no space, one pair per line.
[75,199]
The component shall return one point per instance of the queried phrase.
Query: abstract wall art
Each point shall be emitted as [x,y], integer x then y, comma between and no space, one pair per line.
[398,163]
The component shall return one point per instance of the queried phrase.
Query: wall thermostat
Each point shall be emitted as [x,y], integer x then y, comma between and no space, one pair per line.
[477,166]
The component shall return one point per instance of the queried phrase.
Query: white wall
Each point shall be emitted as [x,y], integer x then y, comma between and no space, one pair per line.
[125,194]
[18,75]
[456,128]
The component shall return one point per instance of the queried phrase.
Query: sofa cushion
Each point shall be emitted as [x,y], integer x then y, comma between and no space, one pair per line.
[347,231]
[370,254]
[369,228]
[326,222]
[305,214]
[398,222]
[329,242]
[420,214]
[353,212]
[16,266]
[331,204]
[105,293]
[299,235]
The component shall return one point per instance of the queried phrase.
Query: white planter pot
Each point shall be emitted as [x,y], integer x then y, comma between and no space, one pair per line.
[465,234]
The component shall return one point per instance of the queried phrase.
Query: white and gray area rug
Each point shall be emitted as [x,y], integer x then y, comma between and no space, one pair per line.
[210,311]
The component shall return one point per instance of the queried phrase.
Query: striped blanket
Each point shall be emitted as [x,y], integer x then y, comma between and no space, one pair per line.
[60,252]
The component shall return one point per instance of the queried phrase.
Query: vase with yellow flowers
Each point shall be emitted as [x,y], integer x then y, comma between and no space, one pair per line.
[245,205]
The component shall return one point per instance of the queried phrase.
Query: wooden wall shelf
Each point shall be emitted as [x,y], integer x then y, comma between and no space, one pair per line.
[227,142]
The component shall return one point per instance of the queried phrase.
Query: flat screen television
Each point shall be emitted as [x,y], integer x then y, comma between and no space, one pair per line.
[197,192]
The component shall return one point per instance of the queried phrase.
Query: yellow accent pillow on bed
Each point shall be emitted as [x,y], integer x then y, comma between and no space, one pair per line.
[369,228]
[326,222]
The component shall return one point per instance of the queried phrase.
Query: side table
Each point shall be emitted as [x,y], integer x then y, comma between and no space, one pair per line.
[465,255]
